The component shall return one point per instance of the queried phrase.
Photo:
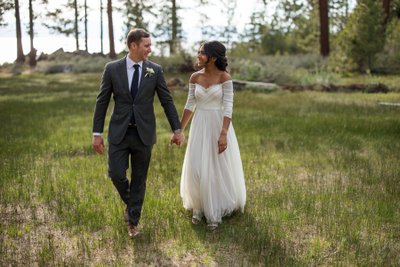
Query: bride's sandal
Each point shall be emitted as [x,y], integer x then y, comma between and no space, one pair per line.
[196,218]
[212,226]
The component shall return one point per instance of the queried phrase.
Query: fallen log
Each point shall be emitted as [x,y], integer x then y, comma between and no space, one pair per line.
[240,85]
[389,104]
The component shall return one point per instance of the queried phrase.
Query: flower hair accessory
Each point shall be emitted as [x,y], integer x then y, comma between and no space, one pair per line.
[149,72]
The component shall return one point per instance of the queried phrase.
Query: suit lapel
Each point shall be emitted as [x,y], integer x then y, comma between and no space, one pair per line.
[124,76]
[143,79]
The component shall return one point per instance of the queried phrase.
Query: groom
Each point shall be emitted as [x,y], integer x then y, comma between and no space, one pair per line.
[132,82]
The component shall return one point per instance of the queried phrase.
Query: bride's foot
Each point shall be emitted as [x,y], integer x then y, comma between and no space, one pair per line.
[196,218]
[212,226]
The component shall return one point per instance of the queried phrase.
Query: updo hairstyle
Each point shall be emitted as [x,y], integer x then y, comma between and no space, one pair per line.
[217,50]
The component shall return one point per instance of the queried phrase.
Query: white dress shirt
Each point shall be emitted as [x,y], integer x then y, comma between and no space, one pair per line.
[130,70]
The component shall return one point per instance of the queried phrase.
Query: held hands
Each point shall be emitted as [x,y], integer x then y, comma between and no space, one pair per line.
[98,144]
[177,138]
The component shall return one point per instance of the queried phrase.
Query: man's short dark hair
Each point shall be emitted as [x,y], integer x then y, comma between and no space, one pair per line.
[136,35]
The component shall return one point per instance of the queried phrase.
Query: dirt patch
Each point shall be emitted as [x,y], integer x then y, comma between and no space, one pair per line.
[35,235]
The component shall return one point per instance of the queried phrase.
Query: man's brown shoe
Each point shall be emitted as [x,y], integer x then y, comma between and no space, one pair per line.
[126,215]
[133,230]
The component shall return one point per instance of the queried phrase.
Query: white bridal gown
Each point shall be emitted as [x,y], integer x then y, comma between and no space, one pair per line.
[212,184]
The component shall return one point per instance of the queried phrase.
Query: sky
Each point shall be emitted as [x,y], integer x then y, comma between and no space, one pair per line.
[47,42]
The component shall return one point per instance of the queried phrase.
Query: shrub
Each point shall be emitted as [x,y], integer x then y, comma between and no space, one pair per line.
[278,69]
[182,62]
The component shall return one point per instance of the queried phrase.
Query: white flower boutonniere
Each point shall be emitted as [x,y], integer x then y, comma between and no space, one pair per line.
[149,72]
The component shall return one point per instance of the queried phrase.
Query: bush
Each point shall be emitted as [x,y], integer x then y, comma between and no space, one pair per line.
[76,62]
[179,63]
[58,69]
[278,69]
[388,62]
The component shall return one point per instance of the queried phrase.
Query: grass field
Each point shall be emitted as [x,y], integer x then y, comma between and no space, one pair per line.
[322,173]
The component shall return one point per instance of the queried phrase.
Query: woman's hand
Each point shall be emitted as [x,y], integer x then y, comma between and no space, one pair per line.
[222,142]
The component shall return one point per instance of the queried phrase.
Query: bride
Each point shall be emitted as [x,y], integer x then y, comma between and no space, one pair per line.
[212,181]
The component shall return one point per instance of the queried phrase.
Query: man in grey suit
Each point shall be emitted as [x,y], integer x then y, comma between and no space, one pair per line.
[133,82]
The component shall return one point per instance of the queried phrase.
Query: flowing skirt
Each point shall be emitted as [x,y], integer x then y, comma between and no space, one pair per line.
[212,183]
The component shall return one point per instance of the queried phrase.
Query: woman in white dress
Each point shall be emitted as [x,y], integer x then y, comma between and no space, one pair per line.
[212,182]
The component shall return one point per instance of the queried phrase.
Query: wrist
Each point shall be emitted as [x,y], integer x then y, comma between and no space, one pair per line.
[177,131]
[224,131]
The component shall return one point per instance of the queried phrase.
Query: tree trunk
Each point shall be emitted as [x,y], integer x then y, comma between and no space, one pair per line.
[20,51]
[174,35]
[32,53]
[101,27]
[86,28]
[76,25]
[386,10]
[110,30]
[324,27]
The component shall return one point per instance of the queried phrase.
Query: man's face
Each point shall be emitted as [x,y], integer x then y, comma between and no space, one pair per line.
[142,51]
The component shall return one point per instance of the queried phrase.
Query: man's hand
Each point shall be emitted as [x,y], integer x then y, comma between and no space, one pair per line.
[98,144]
[178,138]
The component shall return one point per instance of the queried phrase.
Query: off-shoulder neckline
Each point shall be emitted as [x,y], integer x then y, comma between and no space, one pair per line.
[212,85]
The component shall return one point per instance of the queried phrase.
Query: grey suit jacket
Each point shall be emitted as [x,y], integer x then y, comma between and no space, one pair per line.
[114,83]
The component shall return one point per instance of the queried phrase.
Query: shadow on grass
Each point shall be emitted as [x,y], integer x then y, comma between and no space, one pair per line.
[241,240]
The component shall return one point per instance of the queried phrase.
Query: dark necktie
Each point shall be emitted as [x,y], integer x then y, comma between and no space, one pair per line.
[134,87]
[135,81]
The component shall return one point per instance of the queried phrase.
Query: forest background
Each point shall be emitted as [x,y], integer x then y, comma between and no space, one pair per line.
[296,41]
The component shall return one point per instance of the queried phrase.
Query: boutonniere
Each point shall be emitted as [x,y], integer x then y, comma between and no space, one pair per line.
[149,72]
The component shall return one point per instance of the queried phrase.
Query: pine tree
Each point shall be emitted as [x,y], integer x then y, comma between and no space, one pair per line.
[112,53]
[208,31]
[324,27]
[5,5]
[60,21]
[32,53]
[169,27]
[229,31]
[363,37]
[20,51]
[101,28]
[135,12]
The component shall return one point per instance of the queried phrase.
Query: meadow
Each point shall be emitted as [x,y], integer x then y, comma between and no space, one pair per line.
[322,173]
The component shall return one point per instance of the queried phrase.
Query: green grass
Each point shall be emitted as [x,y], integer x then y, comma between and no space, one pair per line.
[322,173]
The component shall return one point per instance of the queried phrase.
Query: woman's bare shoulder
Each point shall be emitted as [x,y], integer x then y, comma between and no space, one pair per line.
[225,76]
[195,76]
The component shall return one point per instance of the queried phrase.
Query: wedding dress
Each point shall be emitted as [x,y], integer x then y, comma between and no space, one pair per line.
[212,184]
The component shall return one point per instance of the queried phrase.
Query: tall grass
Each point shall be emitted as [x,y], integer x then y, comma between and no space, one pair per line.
[322,174]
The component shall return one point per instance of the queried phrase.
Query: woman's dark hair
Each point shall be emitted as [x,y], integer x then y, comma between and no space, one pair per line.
[216,50]
[135,35]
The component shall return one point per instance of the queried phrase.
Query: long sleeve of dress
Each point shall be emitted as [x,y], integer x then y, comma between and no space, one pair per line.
[191,101]
[227,99]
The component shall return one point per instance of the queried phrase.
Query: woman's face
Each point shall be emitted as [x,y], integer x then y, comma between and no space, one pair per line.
[202,58]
